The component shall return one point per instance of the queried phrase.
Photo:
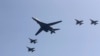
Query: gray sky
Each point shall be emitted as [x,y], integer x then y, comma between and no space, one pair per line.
[16,26]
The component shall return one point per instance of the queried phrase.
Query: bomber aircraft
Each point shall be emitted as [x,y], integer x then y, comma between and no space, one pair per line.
[46,26]
[80,22]
[93,22]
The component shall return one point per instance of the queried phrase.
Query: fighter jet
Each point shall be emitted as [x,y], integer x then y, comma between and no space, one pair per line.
[46,26]
[33,40]
[30,49]
[80,22]
[93,22]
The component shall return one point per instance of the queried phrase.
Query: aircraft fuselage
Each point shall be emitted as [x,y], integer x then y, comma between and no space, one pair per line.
[45,27]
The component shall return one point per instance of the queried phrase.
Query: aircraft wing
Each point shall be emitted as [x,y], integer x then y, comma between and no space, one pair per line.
[39,31]
[54,23]
[76,19]
[91,20]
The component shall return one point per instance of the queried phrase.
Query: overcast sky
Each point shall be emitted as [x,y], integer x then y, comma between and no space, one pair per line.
[16,26]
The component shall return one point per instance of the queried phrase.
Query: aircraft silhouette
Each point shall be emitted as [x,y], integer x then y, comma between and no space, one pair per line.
[30,49]
[46,26]
[33,40]
[80,22]
[93,22]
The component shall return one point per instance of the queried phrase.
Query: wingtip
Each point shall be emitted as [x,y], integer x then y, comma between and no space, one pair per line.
[29,38]
[33,18]
[35,34]
[76,19]
[60,20]
[90,19]
[27,47]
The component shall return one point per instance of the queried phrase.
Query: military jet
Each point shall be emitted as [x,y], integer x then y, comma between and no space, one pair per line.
[93,22]
[80,22]
[30,49]
[46,26]
[33,40]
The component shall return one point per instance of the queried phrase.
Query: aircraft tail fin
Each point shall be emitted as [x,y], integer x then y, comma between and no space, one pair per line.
[56,29]
[53,31]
